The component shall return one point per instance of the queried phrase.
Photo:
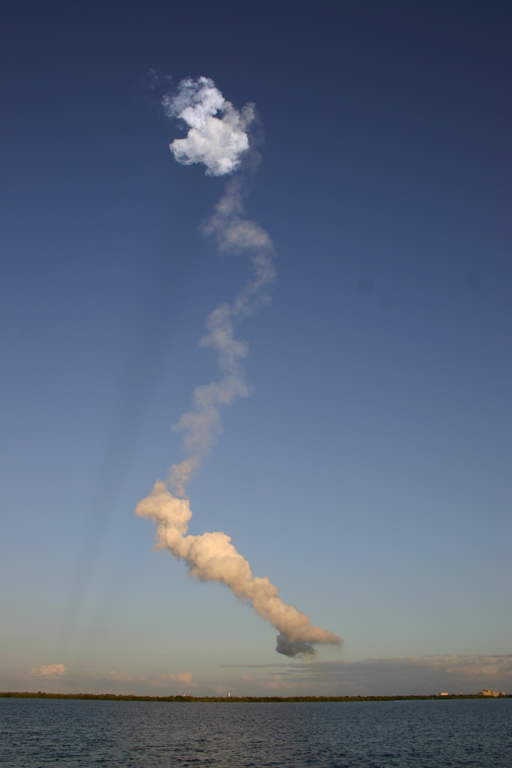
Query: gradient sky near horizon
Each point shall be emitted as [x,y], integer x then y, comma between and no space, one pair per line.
[368,475]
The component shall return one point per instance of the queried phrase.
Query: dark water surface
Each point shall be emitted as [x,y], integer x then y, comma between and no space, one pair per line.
[420,734]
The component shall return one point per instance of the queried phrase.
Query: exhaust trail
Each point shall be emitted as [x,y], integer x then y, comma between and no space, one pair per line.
[217,137]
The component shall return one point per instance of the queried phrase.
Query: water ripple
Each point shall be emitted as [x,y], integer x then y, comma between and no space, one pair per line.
[398,734]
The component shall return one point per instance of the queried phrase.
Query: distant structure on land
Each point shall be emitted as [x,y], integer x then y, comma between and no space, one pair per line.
[488,692]
[483,692]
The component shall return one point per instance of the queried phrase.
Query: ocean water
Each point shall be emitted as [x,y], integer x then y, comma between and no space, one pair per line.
[419,734]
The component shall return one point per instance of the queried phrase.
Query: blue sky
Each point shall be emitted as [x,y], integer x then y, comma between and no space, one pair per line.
[368,475]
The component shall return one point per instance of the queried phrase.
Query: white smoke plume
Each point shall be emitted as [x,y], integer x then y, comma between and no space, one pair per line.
[219,143]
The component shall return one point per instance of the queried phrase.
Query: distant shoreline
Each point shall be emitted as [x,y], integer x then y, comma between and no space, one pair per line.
[235,699]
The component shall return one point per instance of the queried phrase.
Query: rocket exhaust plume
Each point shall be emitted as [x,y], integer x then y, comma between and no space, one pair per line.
[217,137]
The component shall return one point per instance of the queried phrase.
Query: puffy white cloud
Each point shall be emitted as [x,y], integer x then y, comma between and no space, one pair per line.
[218,142]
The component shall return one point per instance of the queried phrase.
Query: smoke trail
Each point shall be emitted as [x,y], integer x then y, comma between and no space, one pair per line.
[233,234]
[219,143]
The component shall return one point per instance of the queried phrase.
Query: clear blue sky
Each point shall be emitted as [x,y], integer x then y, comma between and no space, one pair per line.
[368,475]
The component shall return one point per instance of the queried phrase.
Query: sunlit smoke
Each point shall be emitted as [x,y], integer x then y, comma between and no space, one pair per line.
[219,143]
[216,142]
[212,557]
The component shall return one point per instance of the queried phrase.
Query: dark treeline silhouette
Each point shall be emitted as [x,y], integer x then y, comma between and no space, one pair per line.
[228,699]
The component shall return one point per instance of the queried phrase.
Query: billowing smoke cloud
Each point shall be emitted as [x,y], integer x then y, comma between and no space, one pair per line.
[212,557]
[216,142]
[219,143]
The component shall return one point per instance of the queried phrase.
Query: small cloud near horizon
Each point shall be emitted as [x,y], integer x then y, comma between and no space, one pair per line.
[365,677]
[402,676]
[49,670]
[182,677]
